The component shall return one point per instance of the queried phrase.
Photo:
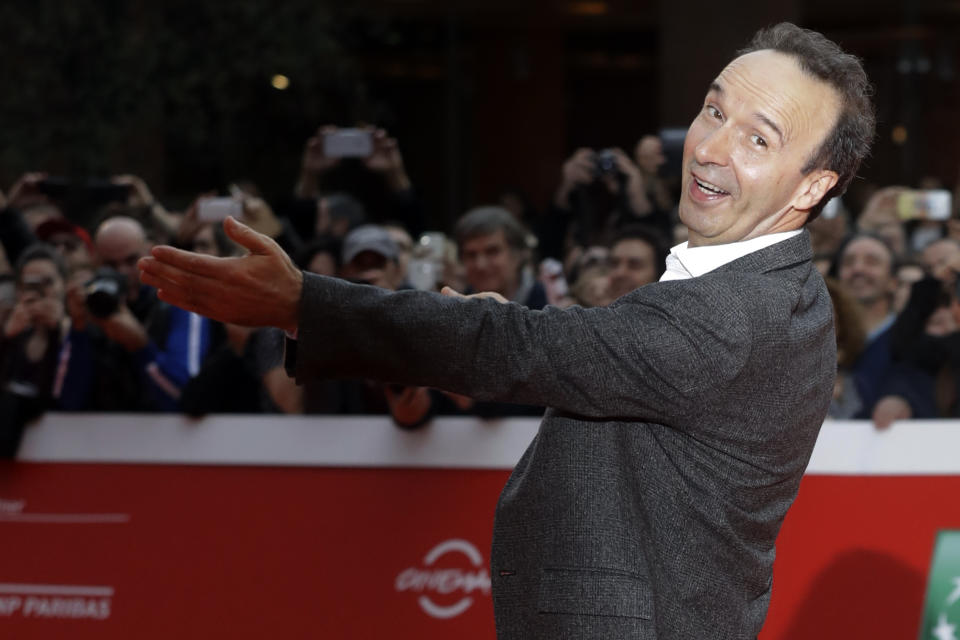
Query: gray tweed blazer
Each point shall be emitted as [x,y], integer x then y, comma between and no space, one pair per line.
[680,421]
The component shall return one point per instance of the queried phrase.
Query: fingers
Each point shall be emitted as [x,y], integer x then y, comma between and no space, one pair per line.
[623,160]
[890,409]
[451,293]
[152,268]
[248,238]
[493,295]
[583,154]
[194,296]
[210,296]
[165,261]
[179,286]
[410,393]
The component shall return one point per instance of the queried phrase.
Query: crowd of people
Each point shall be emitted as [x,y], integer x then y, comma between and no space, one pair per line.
[81,333]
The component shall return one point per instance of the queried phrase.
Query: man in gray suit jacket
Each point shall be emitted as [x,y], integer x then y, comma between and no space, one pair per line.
[681,417]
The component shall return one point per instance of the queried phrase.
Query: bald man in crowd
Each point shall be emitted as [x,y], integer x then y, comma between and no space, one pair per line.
[145,349]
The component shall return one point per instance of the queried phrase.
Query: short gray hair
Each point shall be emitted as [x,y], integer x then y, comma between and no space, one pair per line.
[485,221]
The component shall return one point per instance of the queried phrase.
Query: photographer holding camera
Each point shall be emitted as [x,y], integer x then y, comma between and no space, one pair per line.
[45,357]
[145,350]
[364,162]
[599,191]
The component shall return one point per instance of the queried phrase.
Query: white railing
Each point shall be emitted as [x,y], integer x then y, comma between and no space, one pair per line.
[920,447]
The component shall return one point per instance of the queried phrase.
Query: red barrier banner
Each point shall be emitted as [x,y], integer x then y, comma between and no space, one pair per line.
[121,551]
[110,549]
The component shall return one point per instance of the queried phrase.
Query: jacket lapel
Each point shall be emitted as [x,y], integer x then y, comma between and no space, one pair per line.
[781,255]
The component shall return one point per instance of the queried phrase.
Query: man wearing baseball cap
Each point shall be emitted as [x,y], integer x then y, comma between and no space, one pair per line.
[71,241]
[370,257]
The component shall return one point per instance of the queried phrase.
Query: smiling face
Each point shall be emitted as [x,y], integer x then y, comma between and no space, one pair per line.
[491,263]
[745,152]
[40,278]
[866,270]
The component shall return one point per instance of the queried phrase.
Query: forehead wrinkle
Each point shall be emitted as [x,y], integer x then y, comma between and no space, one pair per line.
[777,106]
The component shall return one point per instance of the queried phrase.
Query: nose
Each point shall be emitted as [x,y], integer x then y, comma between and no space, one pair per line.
[714,148]
[618,271]
[856,267]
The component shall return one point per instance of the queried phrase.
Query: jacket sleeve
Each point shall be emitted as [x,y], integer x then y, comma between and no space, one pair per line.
[645,357]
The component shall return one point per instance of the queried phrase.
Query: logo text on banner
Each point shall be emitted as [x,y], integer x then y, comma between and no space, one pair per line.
[442,581]
[55,601]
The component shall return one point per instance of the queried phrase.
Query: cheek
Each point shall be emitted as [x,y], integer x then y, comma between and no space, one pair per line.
[473,269]
[511,263]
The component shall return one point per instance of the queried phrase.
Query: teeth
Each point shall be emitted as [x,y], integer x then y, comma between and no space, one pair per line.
[709,188]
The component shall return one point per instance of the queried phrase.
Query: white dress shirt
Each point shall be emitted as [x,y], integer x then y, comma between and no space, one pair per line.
[690,262]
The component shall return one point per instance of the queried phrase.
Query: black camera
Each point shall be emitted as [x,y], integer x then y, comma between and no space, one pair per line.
[99,191]
[105,291]
[605,164]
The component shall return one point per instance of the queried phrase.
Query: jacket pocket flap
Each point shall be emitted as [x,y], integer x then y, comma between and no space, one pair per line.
[594,592]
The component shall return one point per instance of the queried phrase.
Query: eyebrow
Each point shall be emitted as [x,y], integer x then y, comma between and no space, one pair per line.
[770,123]
[715,87]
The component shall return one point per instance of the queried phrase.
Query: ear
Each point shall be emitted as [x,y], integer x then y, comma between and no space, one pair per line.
[814,187]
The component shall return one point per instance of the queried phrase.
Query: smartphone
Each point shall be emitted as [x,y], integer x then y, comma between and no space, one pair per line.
[925,204]
[106,191]
[217,209]
[348,143]
[100,191]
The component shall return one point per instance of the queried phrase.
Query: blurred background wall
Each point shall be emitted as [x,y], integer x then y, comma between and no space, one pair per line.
[482,94]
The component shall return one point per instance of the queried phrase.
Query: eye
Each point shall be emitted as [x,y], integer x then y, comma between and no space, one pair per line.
[758,141]
[713,112]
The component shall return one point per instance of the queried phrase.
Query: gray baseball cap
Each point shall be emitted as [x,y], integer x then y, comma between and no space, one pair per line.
[369,237]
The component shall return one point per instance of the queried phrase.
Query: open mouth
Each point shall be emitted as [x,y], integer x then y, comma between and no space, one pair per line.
[708,188]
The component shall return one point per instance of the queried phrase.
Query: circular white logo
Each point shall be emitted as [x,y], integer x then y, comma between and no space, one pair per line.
[446,581]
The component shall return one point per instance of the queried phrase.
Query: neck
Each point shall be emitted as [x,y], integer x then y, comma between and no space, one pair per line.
[874,313]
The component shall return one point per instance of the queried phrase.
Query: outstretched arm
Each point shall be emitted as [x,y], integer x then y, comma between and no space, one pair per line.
[646,358]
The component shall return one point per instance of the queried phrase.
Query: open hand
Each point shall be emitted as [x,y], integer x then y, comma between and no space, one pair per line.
[260,289]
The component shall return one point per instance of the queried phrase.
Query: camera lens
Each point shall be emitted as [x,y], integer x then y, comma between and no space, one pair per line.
[104,293]
[606,163]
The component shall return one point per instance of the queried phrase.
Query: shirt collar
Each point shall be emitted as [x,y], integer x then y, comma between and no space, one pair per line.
[691,262]
[883,326]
